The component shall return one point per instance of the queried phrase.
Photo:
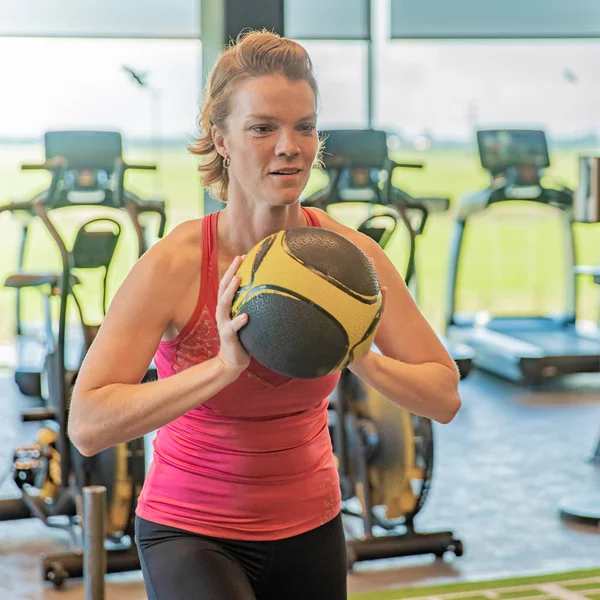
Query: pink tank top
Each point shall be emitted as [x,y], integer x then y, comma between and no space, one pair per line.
[254,462]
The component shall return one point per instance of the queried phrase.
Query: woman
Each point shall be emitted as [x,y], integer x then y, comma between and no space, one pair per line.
[242,499]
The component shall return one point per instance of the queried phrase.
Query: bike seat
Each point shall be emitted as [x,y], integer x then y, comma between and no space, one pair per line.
[22,280]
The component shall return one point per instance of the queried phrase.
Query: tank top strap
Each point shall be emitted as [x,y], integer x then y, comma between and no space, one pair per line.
[210,261]
[311,217]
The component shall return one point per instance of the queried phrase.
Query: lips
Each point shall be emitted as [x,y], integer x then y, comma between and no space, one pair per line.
[284,172]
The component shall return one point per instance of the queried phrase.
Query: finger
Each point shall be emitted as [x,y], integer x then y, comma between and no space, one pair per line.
[239,322]
[229,292]
[384,291]
[226,300]
[231,270]
[233,267]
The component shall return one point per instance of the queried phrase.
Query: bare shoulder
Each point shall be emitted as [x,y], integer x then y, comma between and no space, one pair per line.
[177,256]
[165,272]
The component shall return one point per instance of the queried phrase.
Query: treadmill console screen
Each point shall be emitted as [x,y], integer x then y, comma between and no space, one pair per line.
[501,149]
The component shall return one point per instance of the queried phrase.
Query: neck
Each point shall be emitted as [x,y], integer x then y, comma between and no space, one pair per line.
[241,227]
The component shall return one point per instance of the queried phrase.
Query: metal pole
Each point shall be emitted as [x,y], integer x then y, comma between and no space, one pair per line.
[370,67]
[94,533]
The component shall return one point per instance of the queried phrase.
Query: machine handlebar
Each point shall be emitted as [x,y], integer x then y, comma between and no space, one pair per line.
[155,206]
[26,205]
[53,164]
[562,196]
[397,165]
[134,167]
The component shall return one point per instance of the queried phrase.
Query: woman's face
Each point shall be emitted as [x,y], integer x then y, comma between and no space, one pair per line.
[271,138]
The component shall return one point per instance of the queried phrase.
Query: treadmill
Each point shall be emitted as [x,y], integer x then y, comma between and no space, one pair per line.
[360,171]
[528,350]
[87,169]
[583,508]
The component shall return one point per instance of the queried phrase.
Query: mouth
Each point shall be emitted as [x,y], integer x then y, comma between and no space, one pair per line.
[286,172]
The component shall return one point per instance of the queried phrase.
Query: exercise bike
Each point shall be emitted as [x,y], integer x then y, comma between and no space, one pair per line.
[50,474]
[385,454]
[385,462]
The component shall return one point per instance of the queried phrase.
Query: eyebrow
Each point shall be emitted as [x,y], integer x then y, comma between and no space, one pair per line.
[272,118]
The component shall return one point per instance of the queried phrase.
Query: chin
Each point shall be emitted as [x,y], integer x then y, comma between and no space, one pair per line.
[285,198]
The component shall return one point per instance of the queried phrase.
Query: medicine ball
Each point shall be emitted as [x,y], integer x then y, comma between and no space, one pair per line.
[313,302]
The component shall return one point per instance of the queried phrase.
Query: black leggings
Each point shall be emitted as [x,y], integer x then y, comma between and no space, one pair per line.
[179,565]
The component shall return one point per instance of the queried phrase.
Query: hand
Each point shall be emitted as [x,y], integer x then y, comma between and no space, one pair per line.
[362,363]
[232,354]
[383,298]
[383,290]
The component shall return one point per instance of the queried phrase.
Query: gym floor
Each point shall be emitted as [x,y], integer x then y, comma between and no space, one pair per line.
[502,467]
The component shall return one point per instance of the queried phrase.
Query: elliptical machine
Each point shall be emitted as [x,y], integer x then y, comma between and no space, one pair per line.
[50,474]
[87,169]
[384,453]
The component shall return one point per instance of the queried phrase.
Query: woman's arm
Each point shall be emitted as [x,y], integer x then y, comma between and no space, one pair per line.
[414,370]
[109,404]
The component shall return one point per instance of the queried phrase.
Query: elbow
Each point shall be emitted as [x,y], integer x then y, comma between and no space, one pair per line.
[450,411]
[80,435]
[81,440]
[450,403]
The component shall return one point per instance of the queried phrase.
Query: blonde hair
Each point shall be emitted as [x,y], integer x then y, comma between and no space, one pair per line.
[254,54]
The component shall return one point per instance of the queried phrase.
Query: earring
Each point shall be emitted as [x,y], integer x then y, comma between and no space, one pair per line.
[226,163]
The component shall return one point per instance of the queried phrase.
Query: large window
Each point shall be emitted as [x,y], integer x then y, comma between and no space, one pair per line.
[434,95]
[507,19]
[448,88]
[96,18]
[340,68]
[84,84]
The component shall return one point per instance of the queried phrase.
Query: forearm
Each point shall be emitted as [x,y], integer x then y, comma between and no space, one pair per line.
[428,389]
[119,412]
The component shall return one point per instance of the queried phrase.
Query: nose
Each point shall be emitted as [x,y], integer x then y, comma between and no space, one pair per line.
[287,144]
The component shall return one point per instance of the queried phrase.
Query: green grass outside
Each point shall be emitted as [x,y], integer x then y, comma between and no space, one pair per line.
[512,266]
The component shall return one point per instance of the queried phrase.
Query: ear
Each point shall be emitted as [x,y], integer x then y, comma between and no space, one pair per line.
[218,136]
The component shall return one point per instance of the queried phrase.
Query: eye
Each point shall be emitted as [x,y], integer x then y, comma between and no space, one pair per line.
[307,127]
[261,128]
